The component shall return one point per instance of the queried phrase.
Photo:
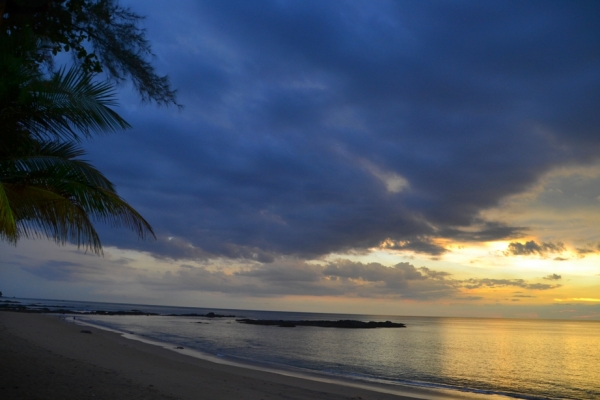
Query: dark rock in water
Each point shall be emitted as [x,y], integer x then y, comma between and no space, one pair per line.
[213,315]
[342,323]
[186,315]
[179,348]
[132,312]
[84,331]
[207,315]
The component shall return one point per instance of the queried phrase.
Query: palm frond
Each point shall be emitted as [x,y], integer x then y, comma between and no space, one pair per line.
[48,158]
[68,105]
[87,102]
[8,225]
[44,213]
[49,192]
[46,188]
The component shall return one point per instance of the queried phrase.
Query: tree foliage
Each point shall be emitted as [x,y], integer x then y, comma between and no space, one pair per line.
[101,35]
[46,188]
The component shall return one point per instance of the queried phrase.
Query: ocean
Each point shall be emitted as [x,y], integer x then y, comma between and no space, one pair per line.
[524,359]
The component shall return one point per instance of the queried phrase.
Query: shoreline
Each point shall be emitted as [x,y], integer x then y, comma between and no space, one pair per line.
[167,372]
[408,391]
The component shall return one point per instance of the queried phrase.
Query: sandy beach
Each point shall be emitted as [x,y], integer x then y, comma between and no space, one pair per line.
[44,357]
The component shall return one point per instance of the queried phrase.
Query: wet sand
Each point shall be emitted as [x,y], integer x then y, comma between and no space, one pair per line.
[45,358]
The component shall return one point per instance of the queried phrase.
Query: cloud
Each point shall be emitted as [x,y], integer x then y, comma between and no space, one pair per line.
[54,270]
[418,245]
[434,274]
[295,277]
[396,276]
[286,103]
[177,248]
[67,271]
[588,249]
[475,283]
[541,286]
[553,277]
[484,231]
[471,298]
[533,248]
[393,182]
[283,277]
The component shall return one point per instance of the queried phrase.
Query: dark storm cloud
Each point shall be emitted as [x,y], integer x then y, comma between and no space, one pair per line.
[532,248]
[298,115]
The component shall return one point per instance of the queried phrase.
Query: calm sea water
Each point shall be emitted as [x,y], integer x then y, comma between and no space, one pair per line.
[530,359]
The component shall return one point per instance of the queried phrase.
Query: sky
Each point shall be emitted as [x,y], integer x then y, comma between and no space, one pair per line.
[435,158]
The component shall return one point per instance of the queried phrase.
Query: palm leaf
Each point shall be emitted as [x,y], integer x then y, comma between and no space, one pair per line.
[44,213]
[68,105]
[47,157]
[53,193]
[8,225]
[46,189]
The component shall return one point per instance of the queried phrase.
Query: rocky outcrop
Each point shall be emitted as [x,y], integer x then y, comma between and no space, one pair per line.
[132,312]
[342,323]
[207,315]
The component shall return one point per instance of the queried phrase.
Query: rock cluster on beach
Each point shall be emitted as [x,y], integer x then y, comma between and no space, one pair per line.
[342,323]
